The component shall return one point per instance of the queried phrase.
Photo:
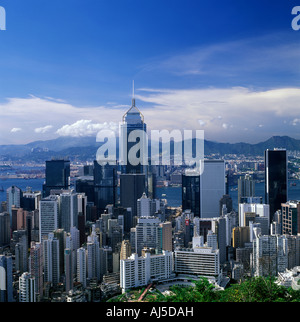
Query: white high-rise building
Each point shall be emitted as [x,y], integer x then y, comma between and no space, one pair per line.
[69,271]
[138,271]
[82,204]
[269,255]
[51,259]
[212,187]
[212,240]
[27,288]
[68,210]
[200,260]
[148,207]
[36,266]
[262,210]
[75,235]
[93,256]
[74,244]
[48,216]
[231,222]
[21,254]
[81,266]
[13,199]
[147,234]
[144,206]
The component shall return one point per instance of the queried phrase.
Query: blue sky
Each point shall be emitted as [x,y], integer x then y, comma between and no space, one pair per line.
[229,67]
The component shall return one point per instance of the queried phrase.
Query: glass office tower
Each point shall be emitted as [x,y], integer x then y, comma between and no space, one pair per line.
[191,192]
[276,181]
[132,187]
[57,176]
[133,119]
[105,185]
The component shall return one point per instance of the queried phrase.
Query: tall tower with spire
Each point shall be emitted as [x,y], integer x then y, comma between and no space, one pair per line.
[133,149]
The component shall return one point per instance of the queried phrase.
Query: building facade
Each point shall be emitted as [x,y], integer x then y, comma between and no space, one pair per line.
[137,271]
[27,288]
[276,179]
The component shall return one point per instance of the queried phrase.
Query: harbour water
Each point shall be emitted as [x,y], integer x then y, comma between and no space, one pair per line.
[172,194]
[35,184]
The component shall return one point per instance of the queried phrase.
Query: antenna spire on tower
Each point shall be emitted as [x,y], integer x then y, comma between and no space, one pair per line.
[133,99]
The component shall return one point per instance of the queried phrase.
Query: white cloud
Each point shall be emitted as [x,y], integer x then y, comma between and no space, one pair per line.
[15,129]
[83,128]
[236,107]
[43,129]
[201,123]
[295,121]
[225,126]
[31,113]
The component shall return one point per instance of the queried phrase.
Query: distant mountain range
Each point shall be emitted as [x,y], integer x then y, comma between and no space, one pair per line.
[85,148]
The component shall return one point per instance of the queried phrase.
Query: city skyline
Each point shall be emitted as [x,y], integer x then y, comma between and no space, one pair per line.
[117,201]
[67,68]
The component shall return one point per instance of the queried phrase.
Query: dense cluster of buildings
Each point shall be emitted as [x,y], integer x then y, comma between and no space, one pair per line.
[110,233]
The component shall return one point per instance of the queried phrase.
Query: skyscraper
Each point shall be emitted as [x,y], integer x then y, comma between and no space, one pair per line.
[290,217]
[51,259]
[30,200]
[4,229]
[6,278]
[202,193]
[13,199]
[133,148]
[68,258]
[27,288]
[147,206]
[246,187]
[68,209]
[166,231]
[262,210]
[93,256]
[36,266]
[148,234]
[132,187]
[138,271]
[60,235]
[144,206]
[125,251]
[86,185]
[48,216]
[57,176]
[21,253]
[81,266]
[276,182]
[269,255]
[200,260]
[212,187]
[105,185]
[191,192]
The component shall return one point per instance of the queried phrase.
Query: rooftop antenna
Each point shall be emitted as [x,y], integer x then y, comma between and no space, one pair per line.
[133,106]
[133,99]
